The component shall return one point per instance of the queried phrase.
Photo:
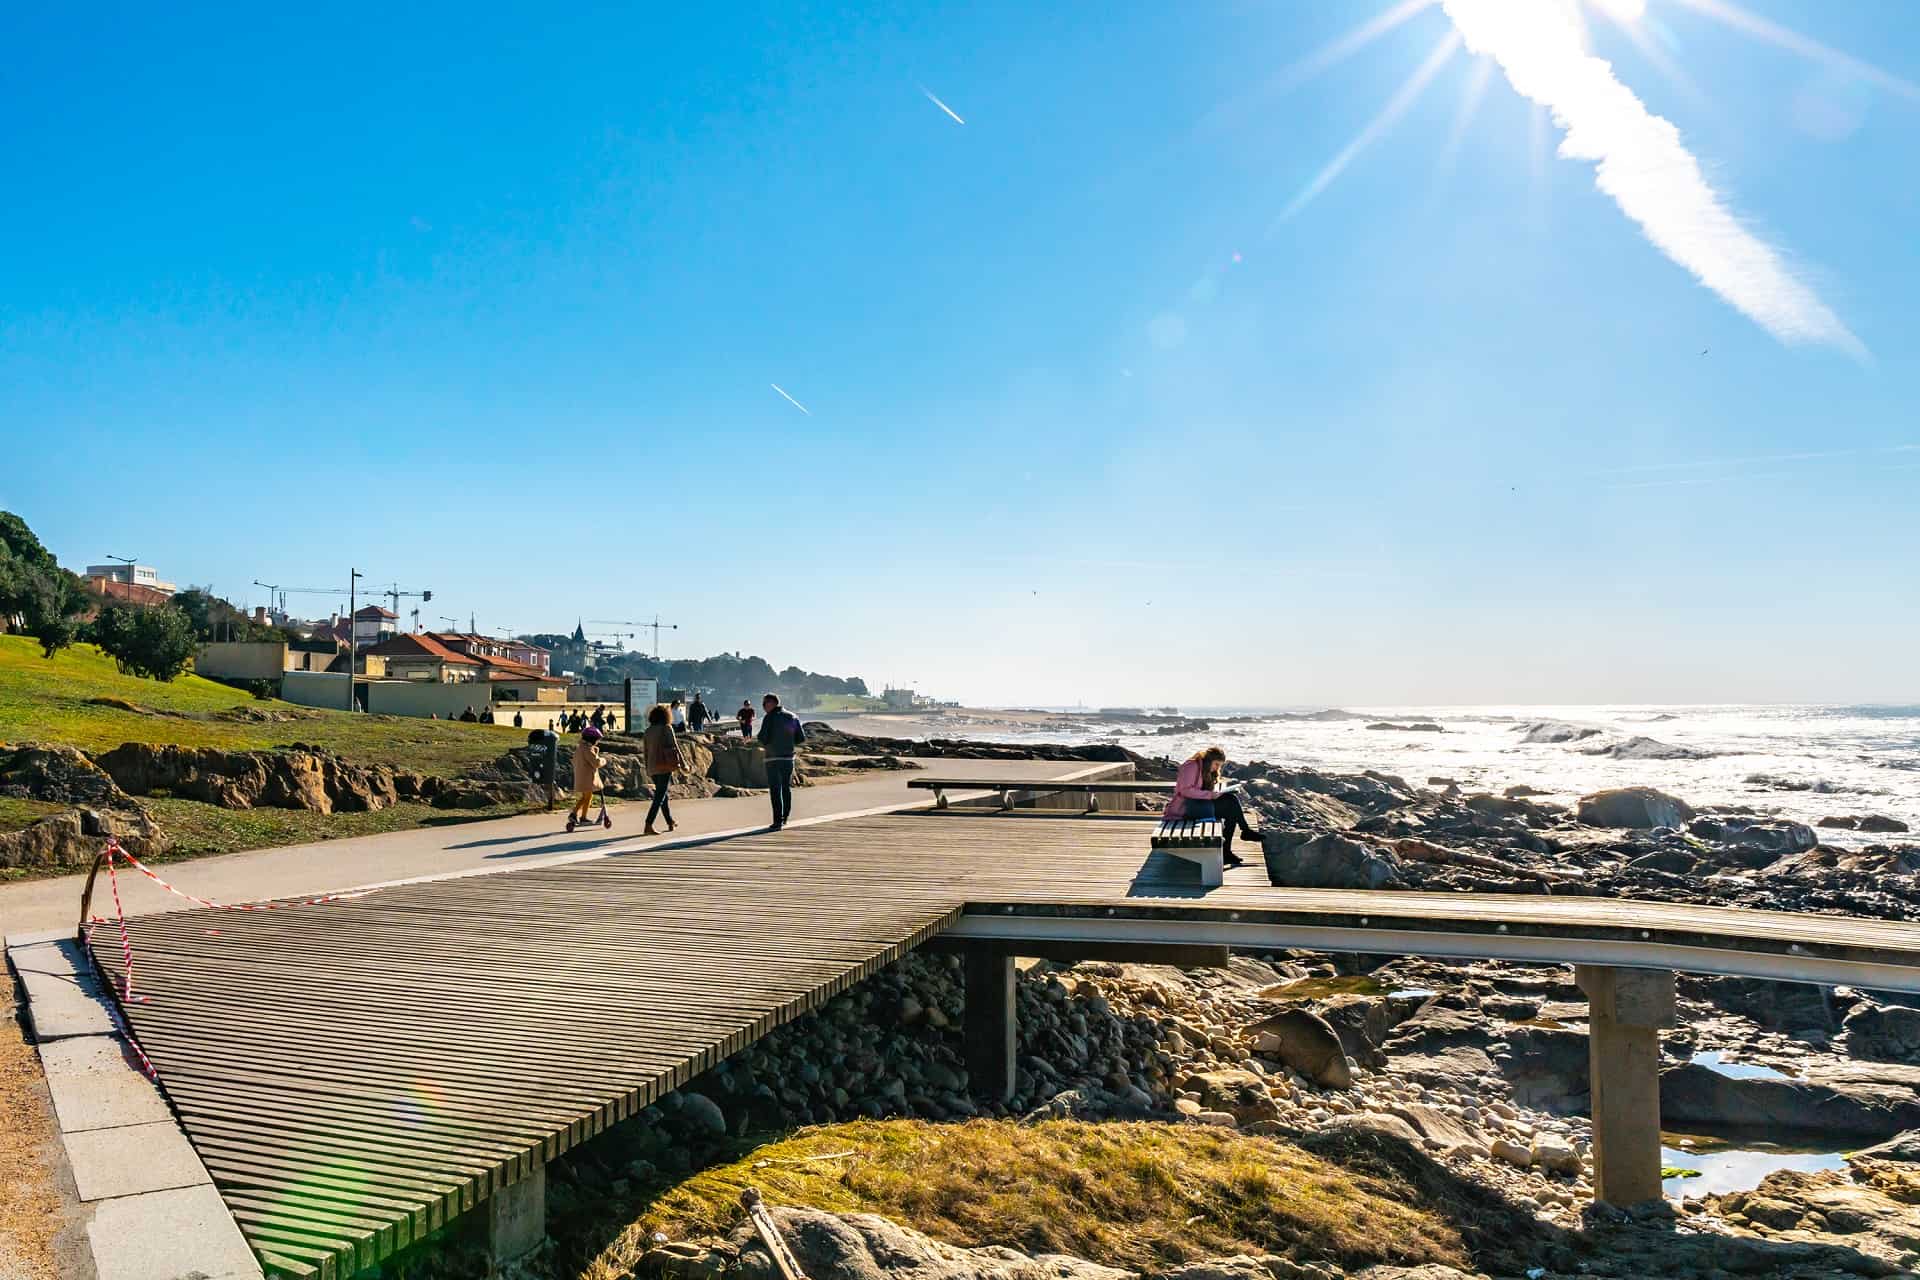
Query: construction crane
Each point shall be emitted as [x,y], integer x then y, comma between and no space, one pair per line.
[393,594]
[284,592]
[656,625]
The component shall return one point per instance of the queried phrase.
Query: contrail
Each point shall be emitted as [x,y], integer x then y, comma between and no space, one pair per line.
[943,106]
[1643,165]
[790,400]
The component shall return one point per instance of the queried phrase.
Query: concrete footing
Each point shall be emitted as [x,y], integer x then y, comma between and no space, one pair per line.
[517,1220]
[990,1023]
[1626,1009]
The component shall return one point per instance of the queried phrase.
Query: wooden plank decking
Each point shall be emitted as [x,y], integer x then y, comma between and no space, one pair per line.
[357,1073]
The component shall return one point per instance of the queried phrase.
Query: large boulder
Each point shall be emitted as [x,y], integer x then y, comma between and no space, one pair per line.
[1835,1106]
[1235,1090]
[1633,807]
[738,762]
[1328,861]
[56,773]
[1766,838]
[74,838]
[1303,1040]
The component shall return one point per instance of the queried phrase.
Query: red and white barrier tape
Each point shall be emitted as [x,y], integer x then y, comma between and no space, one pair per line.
[114,853]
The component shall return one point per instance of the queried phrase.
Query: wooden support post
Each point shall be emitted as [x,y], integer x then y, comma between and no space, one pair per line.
[990,1026]
[1626,1009]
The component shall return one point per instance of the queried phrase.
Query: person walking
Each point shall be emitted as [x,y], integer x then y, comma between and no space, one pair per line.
[781,733]
[1199,797]
[745,716]
[679,717]
[586,775]
[516,718]
[663,761]
[596,720]
[697,714]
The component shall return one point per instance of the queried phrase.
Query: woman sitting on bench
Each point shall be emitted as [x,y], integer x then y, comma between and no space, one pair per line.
[1198,797]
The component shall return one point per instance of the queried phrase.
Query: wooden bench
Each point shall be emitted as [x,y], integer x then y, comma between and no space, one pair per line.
[1199,842]
[1009,789]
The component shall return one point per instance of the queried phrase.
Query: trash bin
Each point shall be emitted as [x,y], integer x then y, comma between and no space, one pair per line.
[543,752]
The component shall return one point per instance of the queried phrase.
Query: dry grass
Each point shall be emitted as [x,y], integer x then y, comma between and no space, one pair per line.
[31,1207]
[1133,1195]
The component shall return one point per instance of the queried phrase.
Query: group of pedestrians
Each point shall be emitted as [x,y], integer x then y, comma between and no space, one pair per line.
[781,734]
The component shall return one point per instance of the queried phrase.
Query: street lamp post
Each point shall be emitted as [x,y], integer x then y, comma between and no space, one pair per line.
[353,636]
[127,561]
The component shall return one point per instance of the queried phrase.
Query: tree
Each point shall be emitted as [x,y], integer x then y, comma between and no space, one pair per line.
[46,599]
[157,642]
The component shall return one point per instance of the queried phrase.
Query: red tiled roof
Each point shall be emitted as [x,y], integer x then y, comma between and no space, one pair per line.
[372,611]
[408,645]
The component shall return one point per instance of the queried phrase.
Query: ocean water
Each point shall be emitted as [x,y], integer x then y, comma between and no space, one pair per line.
[1799,762]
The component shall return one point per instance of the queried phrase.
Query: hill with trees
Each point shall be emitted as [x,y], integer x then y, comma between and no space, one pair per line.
[728,676]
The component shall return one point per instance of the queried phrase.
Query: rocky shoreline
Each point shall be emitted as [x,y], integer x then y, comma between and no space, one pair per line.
[1471,1074]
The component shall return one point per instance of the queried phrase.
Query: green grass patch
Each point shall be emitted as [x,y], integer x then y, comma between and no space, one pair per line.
[15,814]
[1135,1195]
[1675,1171]
[80,698]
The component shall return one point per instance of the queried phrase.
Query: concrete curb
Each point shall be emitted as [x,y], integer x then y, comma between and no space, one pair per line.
[155,1212]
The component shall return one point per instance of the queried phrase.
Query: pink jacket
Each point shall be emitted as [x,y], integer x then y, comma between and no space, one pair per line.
[1187,787]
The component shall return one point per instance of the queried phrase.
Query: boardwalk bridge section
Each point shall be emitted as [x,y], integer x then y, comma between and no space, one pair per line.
[356,1074]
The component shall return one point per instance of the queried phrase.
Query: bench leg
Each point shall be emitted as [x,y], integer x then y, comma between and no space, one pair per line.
[1093,802]
[939,798]
[1626,1009]
[1006,799]
[989,1023]
[1213,867]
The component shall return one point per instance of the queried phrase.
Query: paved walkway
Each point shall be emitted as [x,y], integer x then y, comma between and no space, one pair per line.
[501,844]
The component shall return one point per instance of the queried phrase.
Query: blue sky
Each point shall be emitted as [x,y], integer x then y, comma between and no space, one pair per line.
[490,300]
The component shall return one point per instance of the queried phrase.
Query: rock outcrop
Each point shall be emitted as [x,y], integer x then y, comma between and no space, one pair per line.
[295,777]
[1633,807]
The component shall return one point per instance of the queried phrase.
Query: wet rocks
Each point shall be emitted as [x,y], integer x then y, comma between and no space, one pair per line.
[1633,807]
[1769,839]
[1872,822]
[863,1246]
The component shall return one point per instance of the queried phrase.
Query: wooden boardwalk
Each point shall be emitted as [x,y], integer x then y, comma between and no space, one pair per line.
[357,1073]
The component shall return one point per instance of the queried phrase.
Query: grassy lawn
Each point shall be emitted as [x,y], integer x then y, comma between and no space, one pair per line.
[79,698]
[1129,1195]
[59,701]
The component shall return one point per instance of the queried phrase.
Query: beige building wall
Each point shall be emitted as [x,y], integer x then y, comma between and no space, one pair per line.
[241,660]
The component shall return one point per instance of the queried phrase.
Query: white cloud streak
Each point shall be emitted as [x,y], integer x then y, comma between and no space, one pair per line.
[1642,164]
[790,400]
[943,106]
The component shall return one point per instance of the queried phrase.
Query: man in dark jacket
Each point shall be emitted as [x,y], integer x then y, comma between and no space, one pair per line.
[781,734]
[697,715]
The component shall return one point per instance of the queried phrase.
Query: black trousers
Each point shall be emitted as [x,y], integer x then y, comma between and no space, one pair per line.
[660,805]
[1226,808]
[780,788]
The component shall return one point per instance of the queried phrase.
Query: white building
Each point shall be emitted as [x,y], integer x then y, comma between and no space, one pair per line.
[140,575]
[372,624]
